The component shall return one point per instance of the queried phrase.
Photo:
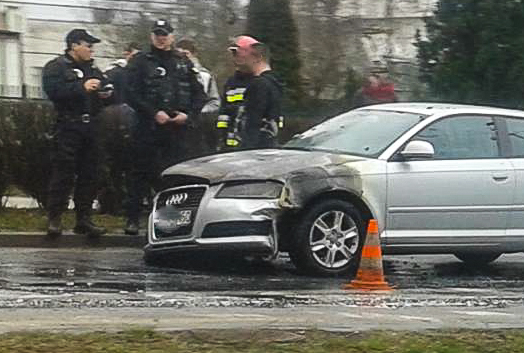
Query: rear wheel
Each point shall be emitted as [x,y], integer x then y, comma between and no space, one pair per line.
[328,239]
[477,258]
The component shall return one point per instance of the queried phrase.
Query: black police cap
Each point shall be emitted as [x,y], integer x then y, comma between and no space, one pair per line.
[80,35]
[162,27]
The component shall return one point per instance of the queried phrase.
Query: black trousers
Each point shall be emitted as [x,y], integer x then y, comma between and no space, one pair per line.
[74,164]
[118,122]
[152,151]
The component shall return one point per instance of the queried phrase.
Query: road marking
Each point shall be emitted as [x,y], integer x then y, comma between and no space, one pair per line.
[482,313]
[418,318]
[353,316]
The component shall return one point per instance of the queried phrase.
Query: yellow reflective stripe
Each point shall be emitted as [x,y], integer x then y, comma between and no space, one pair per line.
[222,124]
[235,98]
[231,142]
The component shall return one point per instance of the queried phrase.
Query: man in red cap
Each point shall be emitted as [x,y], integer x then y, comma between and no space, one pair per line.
[229,120]
[263,100]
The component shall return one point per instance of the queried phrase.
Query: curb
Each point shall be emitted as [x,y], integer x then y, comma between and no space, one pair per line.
[69,240]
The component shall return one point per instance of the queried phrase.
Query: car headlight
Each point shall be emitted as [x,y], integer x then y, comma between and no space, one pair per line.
[251,190]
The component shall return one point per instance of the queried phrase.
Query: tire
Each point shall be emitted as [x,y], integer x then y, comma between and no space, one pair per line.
[477,258]
[329,240]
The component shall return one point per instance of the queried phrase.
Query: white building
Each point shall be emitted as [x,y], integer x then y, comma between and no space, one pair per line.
[32,32]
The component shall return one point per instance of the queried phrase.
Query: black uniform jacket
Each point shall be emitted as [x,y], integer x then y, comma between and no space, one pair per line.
[63,82]
[163,80]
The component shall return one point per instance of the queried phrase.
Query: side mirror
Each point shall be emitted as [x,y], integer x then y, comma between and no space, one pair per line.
[418,150]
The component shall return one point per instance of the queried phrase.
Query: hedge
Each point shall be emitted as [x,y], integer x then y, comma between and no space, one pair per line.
[25,130]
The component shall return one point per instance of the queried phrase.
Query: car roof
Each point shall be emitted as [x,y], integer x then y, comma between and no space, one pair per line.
[429,109]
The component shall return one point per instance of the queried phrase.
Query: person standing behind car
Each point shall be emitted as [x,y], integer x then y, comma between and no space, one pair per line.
[377,89]
[205,77]
[263,101]
[230,120]
[119,119]
[77,89]
[202,131]
[164,91]
[117,72]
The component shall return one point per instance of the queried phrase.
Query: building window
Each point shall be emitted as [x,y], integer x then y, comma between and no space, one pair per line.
[10,66]
[34,86]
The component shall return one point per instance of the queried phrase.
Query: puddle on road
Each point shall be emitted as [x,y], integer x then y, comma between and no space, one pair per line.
[101,272]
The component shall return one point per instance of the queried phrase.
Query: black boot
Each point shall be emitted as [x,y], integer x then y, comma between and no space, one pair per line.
[132,227]
[54,228]
[84,225]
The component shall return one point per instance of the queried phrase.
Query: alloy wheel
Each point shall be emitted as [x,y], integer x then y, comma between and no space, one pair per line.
[334,239]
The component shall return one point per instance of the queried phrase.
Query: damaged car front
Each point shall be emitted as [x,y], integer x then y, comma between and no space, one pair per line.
[311,198]
[237,215]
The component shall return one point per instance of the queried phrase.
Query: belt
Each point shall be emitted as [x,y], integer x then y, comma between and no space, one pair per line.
[84,118]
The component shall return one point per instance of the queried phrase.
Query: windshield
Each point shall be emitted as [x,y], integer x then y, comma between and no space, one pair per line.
[364,132]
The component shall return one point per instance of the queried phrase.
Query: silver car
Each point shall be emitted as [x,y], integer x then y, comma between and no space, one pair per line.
[438,179]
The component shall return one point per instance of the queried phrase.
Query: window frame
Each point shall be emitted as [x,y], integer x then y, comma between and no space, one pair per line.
[500,138]
[5,38]
[506,141]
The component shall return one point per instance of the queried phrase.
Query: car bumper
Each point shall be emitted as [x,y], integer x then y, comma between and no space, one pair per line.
[240,225]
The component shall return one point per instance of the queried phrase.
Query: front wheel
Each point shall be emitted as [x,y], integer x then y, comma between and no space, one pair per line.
[328,239]
[477,258]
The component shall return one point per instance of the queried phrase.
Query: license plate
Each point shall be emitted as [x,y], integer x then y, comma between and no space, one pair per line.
[175,220]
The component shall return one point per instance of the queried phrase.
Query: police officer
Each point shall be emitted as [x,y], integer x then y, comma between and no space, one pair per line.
[78,91]
[117,73]
[229,120]
[263,101]
[163,89]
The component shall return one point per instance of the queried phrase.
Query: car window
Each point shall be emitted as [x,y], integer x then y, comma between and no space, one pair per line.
[462,137]
[515,129]
[362,132]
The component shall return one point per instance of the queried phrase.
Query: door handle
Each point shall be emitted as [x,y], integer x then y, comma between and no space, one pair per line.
[500,177]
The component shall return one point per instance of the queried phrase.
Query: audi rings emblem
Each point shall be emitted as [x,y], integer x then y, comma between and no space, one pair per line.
[177,199]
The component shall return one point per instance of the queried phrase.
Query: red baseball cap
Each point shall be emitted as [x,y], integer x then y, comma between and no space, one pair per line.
[243,43]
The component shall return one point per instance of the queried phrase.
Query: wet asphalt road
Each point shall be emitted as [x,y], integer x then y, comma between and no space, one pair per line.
[86,290]
[123,272]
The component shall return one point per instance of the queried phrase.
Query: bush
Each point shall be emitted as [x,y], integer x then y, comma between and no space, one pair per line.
[25,128]
[26,145]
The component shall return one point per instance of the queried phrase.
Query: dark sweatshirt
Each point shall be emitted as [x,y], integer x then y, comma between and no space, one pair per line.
[263,100]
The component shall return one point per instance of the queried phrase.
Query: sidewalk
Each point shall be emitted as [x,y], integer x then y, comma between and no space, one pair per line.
[24,202]
[69,240]
[328,318]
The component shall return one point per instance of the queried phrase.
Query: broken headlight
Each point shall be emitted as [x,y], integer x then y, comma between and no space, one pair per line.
[251,190]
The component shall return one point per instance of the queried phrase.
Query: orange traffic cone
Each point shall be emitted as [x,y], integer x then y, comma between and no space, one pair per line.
[370,275]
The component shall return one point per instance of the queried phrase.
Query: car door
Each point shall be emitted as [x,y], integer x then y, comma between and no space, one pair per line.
[461,197]
[514,132]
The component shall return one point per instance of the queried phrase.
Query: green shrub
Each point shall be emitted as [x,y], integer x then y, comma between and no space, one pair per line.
[25,128]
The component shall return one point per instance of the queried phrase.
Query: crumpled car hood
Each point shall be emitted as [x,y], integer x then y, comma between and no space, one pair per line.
[275,164]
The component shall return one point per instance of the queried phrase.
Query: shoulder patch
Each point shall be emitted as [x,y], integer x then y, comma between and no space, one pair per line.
[78,73]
